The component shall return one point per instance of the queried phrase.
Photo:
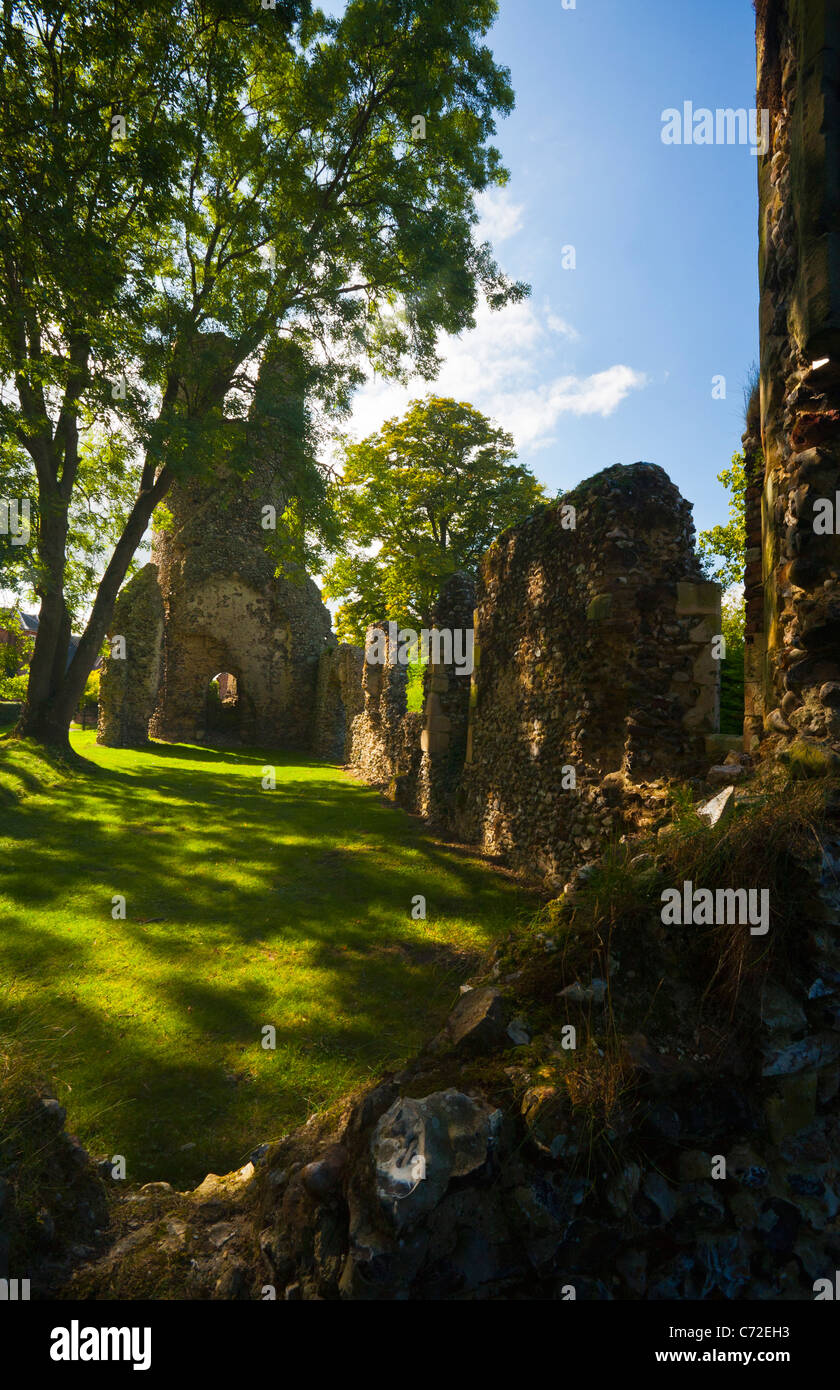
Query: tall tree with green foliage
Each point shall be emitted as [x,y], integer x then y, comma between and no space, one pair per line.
[189,183]
[420,500]
[728,543]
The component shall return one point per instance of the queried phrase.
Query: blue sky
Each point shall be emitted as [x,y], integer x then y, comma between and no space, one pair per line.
[614,361]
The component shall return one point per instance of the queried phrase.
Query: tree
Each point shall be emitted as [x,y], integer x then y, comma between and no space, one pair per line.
[16,649]
[187,185]
[728,543]
[420,500]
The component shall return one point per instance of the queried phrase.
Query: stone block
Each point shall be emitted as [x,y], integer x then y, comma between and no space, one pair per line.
[700,598]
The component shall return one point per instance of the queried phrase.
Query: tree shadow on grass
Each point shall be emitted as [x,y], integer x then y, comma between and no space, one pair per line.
[245,908]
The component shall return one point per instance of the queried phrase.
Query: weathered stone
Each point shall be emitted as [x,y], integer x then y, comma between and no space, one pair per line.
[816,1051]
[420,1146]
[128,684]
[547,1115]
[339,700]
[578,640]
[780,1011]
[576,993]
[623,1188]
[477,1023]
[658,1191]
[725,773]
[322,1177]
[791,443]
[719,809]
[211,604]
[221,1233]
[518,1032]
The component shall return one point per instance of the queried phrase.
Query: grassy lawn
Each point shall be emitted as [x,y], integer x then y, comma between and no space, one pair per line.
[244,908]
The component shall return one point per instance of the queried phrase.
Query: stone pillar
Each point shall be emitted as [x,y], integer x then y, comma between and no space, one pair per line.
[795,680]
[447,703]
[338,700]
[376,742]
[755,649]
[701,603]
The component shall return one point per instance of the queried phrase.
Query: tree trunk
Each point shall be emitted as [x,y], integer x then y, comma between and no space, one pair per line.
[47,719]
[49,655]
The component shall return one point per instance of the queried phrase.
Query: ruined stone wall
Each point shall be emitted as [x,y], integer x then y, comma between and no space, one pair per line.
[754,640]
[211,603]
[595,675]
[417,758]
[384,739]
[796,657]
[226,611]
[594,668]
[446,709]
[339,699]
[129,684]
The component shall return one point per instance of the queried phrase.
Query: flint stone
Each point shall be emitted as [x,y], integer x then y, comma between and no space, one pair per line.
[818,1051]
[657,1190]
[54,1110]
[518,1032]
[323,1176]
[725,773]
[779,1009]
[419,1146]
[585,994]
[477,1023]
[718,810]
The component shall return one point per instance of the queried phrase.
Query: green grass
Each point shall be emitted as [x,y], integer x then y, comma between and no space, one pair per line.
[244,908]
[414,687]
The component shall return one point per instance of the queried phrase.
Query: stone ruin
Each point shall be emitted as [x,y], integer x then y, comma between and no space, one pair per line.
[595,674]
[793,451]
[210,604]
[560,612]
[594,654]
[339,698]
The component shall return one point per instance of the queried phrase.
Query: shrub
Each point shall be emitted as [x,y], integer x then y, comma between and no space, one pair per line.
[13,687]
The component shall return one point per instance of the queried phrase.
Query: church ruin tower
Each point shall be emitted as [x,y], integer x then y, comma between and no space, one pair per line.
[225,613]
[238,647]
[793,498]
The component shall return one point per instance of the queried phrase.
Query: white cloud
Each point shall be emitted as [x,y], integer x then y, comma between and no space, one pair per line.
[560,326]
[531,415]
[499,217]
[507,367]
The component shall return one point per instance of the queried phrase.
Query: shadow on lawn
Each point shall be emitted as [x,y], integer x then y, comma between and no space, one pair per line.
[233,894]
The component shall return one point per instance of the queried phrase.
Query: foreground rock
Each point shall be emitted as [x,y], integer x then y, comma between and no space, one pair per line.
[53,1208]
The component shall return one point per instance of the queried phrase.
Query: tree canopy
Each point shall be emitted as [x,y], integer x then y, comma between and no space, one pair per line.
[728,543]
[419,500]
[187,184]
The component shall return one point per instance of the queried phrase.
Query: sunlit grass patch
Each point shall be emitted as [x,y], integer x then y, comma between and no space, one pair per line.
[245,908]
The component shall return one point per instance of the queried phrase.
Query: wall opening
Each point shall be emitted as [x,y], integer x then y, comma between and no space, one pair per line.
[223,706]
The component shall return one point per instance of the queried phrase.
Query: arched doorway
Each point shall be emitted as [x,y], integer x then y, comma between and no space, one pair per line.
[223,706]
